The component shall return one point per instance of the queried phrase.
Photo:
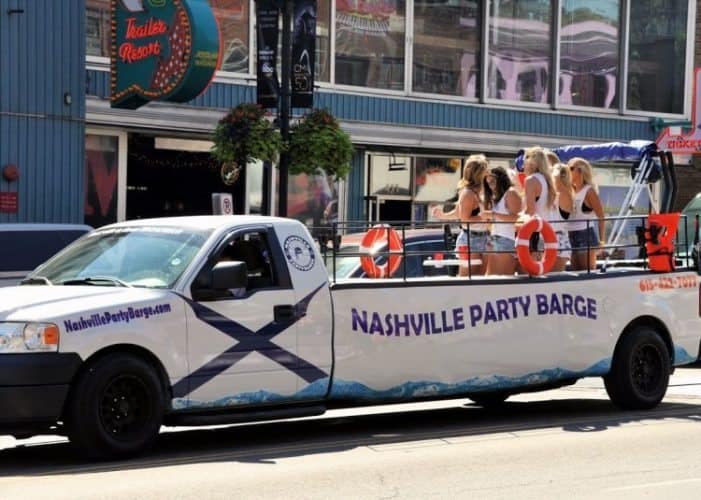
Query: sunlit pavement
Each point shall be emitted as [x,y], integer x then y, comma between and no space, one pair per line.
[685,385]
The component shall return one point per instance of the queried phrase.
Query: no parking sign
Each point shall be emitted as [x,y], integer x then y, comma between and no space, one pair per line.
[222,204]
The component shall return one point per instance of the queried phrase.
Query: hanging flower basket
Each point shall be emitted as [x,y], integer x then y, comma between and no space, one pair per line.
[317,144]
[243,136]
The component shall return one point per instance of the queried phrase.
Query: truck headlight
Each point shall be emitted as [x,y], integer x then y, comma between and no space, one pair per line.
[28,337]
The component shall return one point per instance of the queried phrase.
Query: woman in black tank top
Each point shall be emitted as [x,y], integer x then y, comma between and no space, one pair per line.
[467,212]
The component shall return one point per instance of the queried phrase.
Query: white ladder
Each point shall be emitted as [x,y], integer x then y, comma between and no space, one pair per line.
[640,183]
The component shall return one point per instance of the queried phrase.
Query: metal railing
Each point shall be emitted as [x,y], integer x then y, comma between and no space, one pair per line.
[341,240]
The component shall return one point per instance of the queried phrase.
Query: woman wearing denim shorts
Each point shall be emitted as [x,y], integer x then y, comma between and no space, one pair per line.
[503,204]
[587,229]
[564,206]
[474,231]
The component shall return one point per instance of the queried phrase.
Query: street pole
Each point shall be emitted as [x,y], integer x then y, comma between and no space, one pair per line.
[286,7]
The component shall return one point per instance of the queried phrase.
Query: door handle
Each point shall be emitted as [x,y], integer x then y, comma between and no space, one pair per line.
[284,313]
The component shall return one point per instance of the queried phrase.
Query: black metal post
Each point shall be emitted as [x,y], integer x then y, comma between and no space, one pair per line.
[286,56]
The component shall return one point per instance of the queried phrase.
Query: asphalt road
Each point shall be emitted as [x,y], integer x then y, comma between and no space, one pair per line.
[569,443]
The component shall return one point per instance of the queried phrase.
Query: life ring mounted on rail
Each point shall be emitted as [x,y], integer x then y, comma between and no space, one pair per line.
[528,263]
[377,237]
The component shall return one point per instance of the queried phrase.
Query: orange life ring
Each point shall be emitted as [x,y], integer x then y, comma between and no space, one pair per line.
[377,237]
[530,265]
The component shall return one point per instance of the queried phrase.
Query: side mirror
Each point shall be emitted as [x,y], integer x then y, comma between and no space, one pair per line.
[227,275]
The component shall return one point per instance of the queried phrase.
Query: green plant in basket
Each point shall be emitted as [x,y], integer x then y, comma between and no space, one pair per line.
[243,136]
[318,144]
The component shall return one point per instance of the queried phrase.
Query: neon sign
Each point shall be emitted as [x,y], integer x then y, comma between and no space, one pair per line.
[163,50]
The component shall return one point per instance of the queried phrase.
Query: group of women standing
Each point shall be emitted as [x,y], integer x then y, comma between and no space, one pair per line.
[491,209]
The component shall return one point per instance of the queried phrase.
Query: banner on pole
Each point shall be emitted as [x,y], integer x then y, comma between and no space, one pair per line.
[267,86]
[303,53]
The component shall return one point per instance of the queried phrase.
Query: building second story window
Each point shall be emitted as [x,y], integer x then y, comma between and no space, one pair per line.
[519,65]
[370,43]
[589,53]
[97,28]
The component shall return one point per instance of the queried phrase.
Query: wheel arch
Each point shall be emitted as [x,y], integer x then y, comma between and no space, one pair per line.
[657,324]
[130,349]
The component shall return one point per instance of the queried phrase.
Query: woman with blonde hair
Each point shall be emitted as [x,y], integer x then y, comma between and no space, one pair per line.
[564,207]
[540,189]
[474,232]
[586,241]
[539,192]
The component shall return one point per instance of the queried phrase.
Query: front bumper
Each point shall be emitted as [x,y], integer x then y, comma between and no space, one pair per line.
[34,386]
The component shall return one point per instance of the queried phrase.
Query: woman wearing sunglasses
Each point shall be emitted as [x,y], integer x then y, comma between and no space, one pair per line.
[587,228]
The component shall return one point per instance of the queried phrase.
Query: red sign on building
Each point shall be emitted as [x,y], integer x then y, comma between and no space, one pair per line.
[686,143]
[8,202]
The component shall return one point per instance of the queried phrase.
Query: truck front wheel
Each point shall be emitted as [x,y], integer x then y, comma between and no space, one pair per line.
[116,407]
[639,371]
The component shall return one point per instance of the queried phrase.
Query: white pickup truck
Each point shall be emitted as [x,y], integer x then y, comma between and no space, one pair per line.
[221,319]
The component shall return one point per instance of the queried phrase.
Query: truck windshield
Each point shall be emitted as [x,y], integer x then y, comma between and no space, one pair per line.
[141,256]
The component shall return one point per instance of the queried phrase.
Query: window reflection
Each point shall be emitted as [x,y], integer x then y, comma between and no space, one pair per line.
[370,43]
[447,47]
[657,55]
[323,50]
[97,28]
[232,16]
[589,53]
[519,50]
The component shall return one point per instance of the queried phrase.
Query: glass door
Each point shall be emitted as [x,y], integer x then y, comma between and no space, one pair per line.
[105,177]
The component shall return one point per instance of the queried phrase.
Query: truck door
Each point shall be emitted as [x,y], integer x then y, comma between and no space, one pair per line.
[242,348]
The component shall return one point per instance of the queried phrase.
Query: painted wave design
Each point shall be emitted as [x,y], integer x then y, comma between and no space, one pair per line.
[681,357]
[351,390]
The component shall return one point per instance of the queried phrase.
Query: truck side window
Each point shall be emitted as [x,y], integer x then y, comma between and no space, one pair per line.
[253,249]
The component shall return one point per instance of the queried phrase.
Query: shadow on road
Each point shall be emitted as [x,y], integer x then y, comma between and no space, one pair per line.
[266,442]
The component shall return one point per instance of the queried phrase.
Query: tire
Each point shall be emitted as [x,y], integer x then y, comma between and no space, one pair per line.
[116,407]
[640,370]
[489,399]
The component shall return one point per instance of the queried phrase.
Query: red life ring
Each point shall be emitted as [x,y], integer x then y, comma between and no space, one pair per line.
[531,266]
[377,237]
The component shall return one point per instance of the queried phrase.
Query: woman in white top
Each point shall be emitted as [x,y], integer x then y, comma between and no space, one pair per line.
[587,228]
[474,231]
[540,190]
[502,204]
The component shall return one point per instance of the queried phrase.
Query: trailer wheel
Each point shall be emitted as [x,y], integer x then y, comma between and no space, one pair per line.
[640,370]
[489,399]
[116,407]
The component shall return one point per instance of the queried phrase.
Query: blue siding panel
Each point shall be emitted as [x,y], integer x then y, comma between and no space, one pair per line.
[412,112]
[49,154]
[42,60]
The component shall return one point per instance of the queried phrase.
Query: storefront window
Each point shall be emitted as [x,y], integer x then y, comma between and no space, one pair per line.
[519,50]
[97,28]
[657,55]
[101,176]
[233,16]
[447,47]
[390,175]
[370,43]
[589,53]
[436,179]
[313,200]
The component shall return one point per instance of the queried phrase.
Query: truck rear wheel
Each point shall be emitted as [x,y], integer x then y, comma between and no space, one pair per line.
[640,370]
[116,407]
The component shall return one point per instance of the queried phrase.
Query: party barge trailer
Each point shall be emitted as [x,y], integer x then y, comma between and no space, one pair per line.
[220,319]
